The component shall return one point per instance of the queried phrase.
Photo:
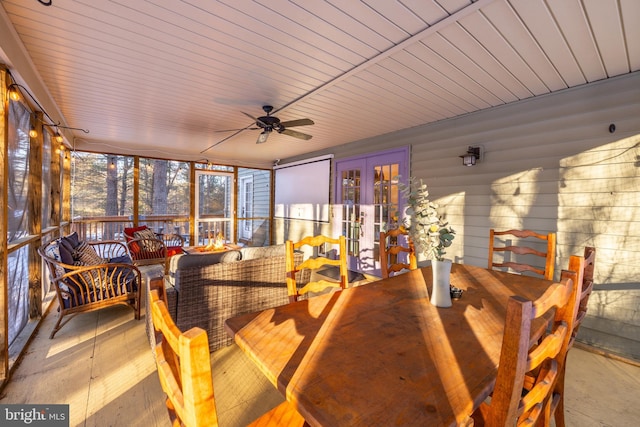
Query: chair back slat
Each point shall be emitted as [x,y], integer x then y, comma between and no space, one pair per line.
[523,251]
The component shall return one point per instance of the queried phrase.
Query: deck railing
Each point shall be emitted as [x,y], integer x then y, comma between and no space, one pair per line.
[112,227]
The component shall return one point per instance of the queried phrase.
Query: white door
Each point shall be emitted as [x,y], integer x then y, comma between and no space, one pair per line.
[245,215]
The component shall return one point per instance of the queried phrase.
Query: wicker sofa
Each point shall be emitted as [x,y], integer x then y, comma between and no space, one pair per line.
[206,289]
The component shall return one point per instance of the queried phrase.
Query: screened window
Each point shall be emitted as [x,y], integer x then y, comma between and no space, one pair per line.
[18,189]
[46,183]
[102,190]
[164,195]
[19,120]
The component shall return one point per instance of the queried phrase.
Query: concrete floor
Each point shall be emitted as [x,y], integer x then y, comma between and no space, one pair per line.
[101,365]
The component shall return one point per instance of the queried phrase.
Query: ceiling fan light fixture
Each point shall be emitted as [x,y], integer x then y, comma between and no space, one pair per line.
[263,137]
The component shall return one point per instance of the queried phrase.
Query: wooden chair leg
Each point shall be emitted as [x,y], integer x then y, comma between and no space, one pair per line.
[56,327]
[559,410]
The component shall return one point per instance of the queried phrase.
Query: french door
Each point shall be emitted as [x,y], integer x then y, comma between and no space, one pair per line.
[366,202]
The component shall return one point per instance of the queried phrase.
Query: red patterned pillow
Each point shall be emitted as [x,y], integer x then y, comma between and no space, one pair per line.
[130,231]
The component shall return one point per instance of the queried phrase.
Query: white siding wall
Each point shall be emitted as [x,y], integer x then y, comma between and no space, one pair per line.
[548,164]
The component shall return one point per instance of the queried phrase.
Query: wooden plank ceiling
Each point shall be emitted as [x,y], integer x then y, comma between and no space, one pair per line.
[168,78]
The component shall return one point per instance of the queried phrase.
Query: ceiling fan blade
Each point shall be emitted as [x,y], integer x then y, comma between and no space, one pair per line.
[234,130]
[299,122]
[221,141]
[249,115]
[296,134]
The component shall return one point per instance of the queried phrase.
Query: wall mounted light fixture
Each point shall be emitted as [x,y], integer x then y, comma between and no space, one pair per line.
[470,157]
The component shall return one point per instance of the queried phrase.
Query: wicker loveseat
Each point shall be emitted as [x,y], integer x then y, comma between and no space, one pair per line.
[206,289]
[89,276]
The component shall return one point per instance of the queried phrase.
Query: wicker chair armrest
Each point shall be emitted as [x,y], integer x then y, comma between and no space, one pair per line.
[110,248]
[172,239]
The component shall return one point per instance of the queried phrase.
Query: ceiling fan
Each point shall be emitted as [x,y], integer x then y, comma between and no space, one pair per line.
[271,123]
[268,124]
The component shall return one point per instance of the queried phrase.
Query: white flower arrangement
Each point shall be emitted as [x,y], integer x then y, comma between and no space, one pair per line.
[428,231]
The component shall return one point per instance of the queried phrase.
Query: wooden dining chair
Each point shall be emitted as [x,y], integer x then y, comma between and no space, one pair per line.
[184,368]
[514,255]
[314,264]
[513,402]
[587,288]
[391,251]
[584,266]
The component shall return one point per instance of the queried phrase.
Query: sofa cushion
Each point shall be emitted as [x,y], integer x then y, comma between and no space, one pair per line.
[202,259]
[122,259]
[262,252]
[181,261]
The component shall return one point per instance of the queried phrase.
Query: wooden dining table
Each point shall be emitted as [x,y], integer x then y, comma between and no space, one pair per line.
[380,354]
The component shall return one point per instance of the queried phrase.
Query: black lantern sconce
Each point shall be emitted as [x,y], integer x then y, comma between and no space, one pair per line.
[470,157]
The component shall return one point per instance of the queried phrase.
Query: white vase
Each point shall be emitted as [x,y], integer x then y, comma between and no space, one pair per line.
[440,291]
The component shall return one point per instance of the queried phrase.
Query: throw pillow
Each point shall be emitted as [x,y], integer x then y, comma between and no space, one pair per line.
[151,242]
[129,232]
[53,251]
[72,239]
[66,254]
[86,255]
[262,252]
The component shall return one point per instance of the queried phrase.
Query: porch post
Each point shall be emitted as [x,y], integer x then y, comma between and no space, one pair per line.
[4,182]
[35,216]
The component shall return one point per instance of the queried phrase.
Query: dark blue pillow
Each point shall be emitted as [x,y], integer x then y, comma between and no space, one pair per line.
[122,259]
[64,242]
[72,239]
[65,254]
